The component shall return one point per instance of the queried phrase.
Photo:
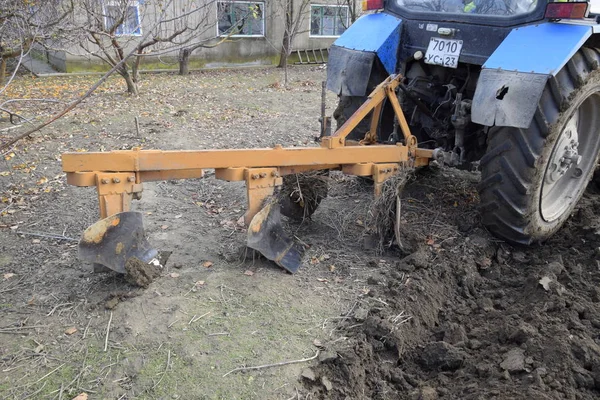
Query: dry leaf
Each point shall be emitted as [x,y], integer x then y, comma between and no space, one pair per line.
[164,227]
[359,222]
[332,268]
[81,396]
[178,216]
[199,283]
[430,242]
[42,181]
[249,273]
[8,275]
[70,331]
[35,241]
[322,280]
[4,173]
[174,275]
[317,343]
[207,264]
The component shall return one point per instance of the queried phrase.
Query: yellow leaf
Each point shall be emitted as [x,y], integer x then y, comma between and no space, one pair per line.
[4,173]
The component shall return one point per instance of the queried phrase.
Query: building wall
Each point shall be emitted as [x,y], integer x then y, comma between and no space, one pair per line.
[235,51]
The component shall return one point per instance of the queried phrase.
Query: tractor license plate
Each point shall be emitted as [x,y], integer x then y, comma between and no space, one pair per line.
[444,52]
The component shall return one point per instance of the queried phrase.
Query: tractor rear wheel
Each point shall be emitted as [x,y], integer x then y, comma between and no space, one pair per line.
[532,178]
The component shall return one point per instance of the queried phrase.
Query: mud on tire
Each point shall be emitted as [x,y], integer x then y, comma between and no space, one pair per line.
[516,162]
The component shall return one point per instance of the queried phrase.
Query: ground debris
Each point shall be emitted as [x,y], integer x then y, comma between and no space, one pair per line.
[442,356]
[139,273]
[514,361]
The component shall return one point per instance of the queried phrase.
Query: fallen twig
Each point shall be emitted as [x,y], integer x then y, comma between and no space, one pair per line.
[18,328]
[107,332]
[56,308]
[50,373]
[48,236]
[34,393]
[273,365]
[194,318]
[86,328]
[165,371]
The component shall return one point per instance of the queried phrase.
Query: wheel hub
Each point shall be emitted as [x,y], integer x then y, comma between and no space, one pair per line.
[565,154]
[572,158]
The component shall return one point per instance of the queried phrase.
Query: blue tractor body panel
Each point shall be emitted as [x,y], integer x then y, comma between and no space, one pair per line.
[377,33]
[372,37]
[514,76]
[517,62]
[541,49]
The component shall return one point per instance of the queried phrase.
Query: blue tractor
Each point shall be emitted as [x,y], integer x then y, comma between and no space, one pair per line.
[509,86]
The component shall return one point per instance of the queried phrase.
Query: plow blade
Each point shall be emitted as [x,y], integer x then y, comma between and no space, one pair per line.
[266,235]
[114,240]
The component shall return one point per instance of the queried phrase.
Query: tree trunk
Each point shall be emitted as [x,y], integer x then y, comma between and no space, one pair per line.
[285,73]
[283,55]
[132,87]
[2,70]
[184,61]
[135,69]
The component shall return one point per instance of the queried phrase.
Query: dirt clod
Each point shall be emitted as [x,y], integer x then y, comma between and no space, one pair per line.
[112,303]
[425,393]
[514,361]
[139,273]
[327,356]
[326,383]
[442,356]
[308,373]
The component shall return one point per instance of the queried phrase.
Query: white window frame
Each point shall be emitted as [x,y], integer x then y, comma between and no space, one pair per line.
[327,5]
[262,3]
[136,4]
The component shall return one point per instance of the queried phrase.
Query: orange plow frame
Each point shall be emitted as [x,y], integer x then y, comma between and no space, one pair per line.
[119,175]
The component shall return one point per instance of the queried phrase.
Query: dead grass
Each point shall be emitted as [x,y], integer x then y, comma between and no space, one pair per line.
[383,217]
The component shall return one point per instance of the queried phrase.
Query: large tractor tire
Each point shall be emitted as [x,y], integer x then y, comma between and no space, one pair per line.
[533,178]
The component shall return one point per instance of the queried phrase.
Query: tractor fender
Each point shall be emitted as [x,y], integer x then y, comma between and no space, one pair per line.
[514,76]
[352,56]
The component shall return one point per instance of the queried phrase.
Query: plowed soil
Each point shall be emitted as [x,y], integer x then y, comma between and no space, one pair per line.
[451,314]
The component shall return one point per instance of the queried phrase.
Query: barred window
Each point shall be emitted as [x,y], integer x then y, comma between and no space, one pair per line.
[328,20]
[241,18]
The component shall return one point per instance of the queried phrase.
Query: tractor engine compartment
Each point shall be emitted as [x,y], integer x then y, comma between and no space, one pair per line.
[437,103]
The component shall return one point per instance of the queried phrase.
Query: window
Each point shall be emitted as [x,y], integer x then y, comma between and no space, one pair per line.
[241,18]
[130,14]
[328,20]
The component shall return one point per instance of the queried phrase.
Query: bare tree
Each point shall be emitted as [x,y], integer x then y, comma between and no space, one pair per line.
[111,27]
[354,9]
[294,13]
[24,24]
